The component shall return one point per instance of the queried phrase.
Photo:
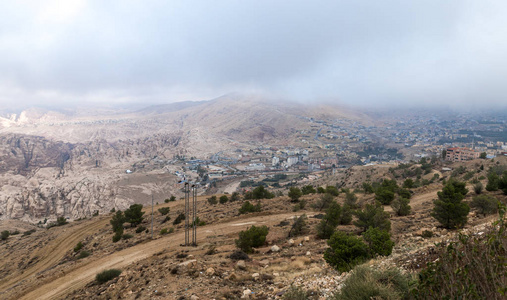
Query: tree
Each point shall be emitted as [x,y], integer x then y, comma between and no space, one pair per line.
[373,216]
[444,154]
[401,206]
[384,196]
[332,190]
[502,183]
[324,201]
[331,219]
[368,188]
[294,194]
[308,189]
[351,199]
[483,155]
[408,183]
[379,242]
[223,199]
[493,181]
[252,237]
[117,222]
[134,214]
[449,209]
[345,251]
[478,188]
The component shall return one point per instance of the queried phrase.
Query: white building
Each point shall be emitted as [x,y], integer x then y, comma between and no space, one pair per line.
[275,161]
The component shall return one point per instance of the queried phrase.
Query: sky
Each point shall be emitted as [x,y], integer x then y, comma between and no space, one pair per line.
[354,52]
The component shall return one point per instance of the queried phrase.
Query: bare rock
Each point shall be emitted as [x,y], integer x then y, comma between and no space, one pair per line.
[275,248]
[246,294]
[210,272]
[241,265]
[291,243]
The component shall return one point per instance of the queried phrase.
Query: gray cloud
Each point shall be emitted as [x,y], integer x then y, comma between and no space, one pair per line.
[160,51]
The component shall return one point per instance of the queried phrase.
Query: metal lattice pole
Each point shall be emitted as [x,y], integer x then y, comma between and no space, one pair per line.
[187,216]
[194,211]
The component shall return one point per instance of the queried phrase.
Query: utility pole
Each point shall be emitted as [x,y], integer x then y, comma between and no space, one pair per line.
[152,216]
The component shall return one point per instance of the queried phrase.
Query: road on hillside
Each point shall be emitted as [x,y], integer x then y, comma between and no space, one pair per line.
[81,275]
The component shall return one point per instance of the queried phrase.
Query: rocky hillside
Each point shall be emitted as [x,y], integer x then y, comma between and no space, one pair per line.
[72,162]
[44,263]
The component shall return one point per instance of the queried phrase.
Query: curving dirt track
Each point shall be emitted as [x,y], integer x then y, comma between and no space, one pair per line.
[84,274]
[50,255]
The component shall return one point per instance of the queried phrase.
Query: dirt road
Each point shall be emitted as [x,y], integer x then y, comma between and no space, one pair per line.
[51,254]
[84,274]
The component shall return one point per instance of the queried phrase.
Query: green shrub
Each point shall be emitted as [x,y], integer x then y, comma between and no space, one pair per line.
[295,293]
[351,199]
[60,221]
[298,227]
[117,236]
[485,204]
[16,232]
[379,242]
[28,232]
[83,254]
[345,251]
[373,216]
[5,235]
[252,237]
[213,200]
[248,207]
[134,214]
[78,247]
[198,222]
[367,283]
[401,206]
[223,199]
[127,236]
[471,267]
[140,229]
[478,188]
[164,210]
[107,275]
[449,209]
[166,218]
[179,219]
[308,189]
[368,188]
[166,231]
[234,197]
[332,190]
[427,234]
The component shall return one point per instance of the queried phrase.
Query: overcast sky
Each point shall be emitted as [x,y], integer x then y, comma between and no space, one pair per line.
[355,52]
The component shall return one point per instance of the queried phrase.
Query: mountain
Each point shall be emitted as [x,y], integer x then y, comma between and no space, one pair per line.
[73,162]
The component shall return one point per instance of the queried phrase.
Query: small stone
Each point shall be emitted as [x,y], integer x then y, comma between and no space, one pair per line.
[275,248]
[307,239]
[308,253]
[255,276]
[291,243]
[194,297]
[292,258]
[264,263]
[210,272]
[241,265]
[246,294]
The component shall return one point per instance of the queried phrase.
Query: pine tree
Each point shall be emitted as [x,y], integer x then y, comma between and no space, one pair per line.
[449,209]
